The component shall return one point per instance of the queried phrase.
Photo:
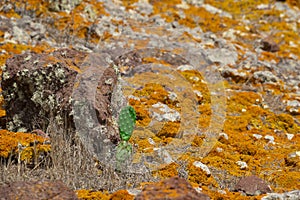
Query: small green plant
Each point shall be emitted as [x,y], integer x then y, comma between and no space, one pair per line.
[127,119]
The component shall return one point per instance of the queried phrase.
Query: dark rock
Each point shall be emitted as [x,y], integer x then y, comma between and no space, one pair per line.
[36,190]
[252,185]
[174,188]
[270,45]
[38,90]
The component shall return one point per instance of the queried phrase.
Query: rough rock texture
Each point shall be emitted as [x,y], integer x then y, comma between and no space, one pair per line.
[55,190]
[38,89]
[292,195]
[252,185]
[36,86]
[173,188]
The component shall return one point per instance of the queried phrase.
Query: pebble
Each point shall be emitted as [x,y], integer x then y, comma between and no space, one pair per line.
[270,138]
[257,136]
[202,166]
[242,164]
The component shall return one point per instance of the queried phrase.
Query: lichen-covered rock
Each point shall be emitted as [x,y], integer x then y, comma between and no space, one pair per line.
[174,188]
[38,88]
[292,195]
[63,5]
[36,190]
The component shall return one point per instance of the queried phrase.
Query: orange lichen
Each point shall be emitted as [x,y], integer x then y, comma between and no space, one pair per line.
[121,195]
[89,195]
[170,129]
[10,144]
[197,175]
[167,171]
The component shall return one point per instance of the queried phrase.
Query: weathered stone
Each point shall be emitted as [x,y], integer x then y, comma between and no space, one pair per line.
[174,188]
[267,44]
[36,190]
[292,195]
[252,185]
[63,5]
[38,89]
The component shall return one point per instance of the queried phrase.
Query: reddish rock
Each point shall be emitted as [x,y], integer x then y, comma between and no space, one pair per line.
[39,89]
[55,190]
[174,188]
[252,185]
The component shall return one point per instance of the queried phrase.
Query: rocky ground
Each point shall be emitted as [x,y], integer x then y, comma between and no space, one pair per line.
[215,86]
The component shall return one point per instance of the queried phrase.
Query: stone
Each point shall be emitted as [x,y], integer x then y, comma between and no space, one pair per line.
[223,56]
[174,188]
[28,190]
[292,195]
[252,185]
[38,90]
[265,76]
[267,44]
[202,167]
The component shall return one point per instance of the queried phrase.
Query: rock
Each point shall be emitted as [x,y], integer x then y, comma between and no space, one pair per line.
[38,90]
[36,190]
[202,167]
[223,56]
[234,74]
[267,44]
[66,5]
[264,76]
[292,195]
[252,185]
[174,188]
[242,164]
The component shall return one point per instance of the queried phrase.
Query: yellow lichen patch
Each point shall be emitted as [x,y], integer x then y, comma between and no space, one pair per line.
[14,48]
[154,92]
[31,153]
[169,129]
[199,176]
[154,60]
[269,56]
[10,12]
[206,20]
[143,117]
[9,142]
[205,115]
[284,122]
[167,171]
[237,7]
[92,195]
[285,179]
[197,81]
[121,195]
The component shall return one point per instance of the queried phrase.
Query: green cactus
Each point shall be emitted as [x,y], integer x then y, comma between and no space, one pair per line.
[123,154]
[127,120]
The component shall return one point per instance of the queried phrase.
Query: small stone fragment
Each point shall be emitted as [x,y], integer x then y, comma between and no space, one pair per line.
[252,185]
[292,195]
[202,166]
[242,164]
[270,45]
